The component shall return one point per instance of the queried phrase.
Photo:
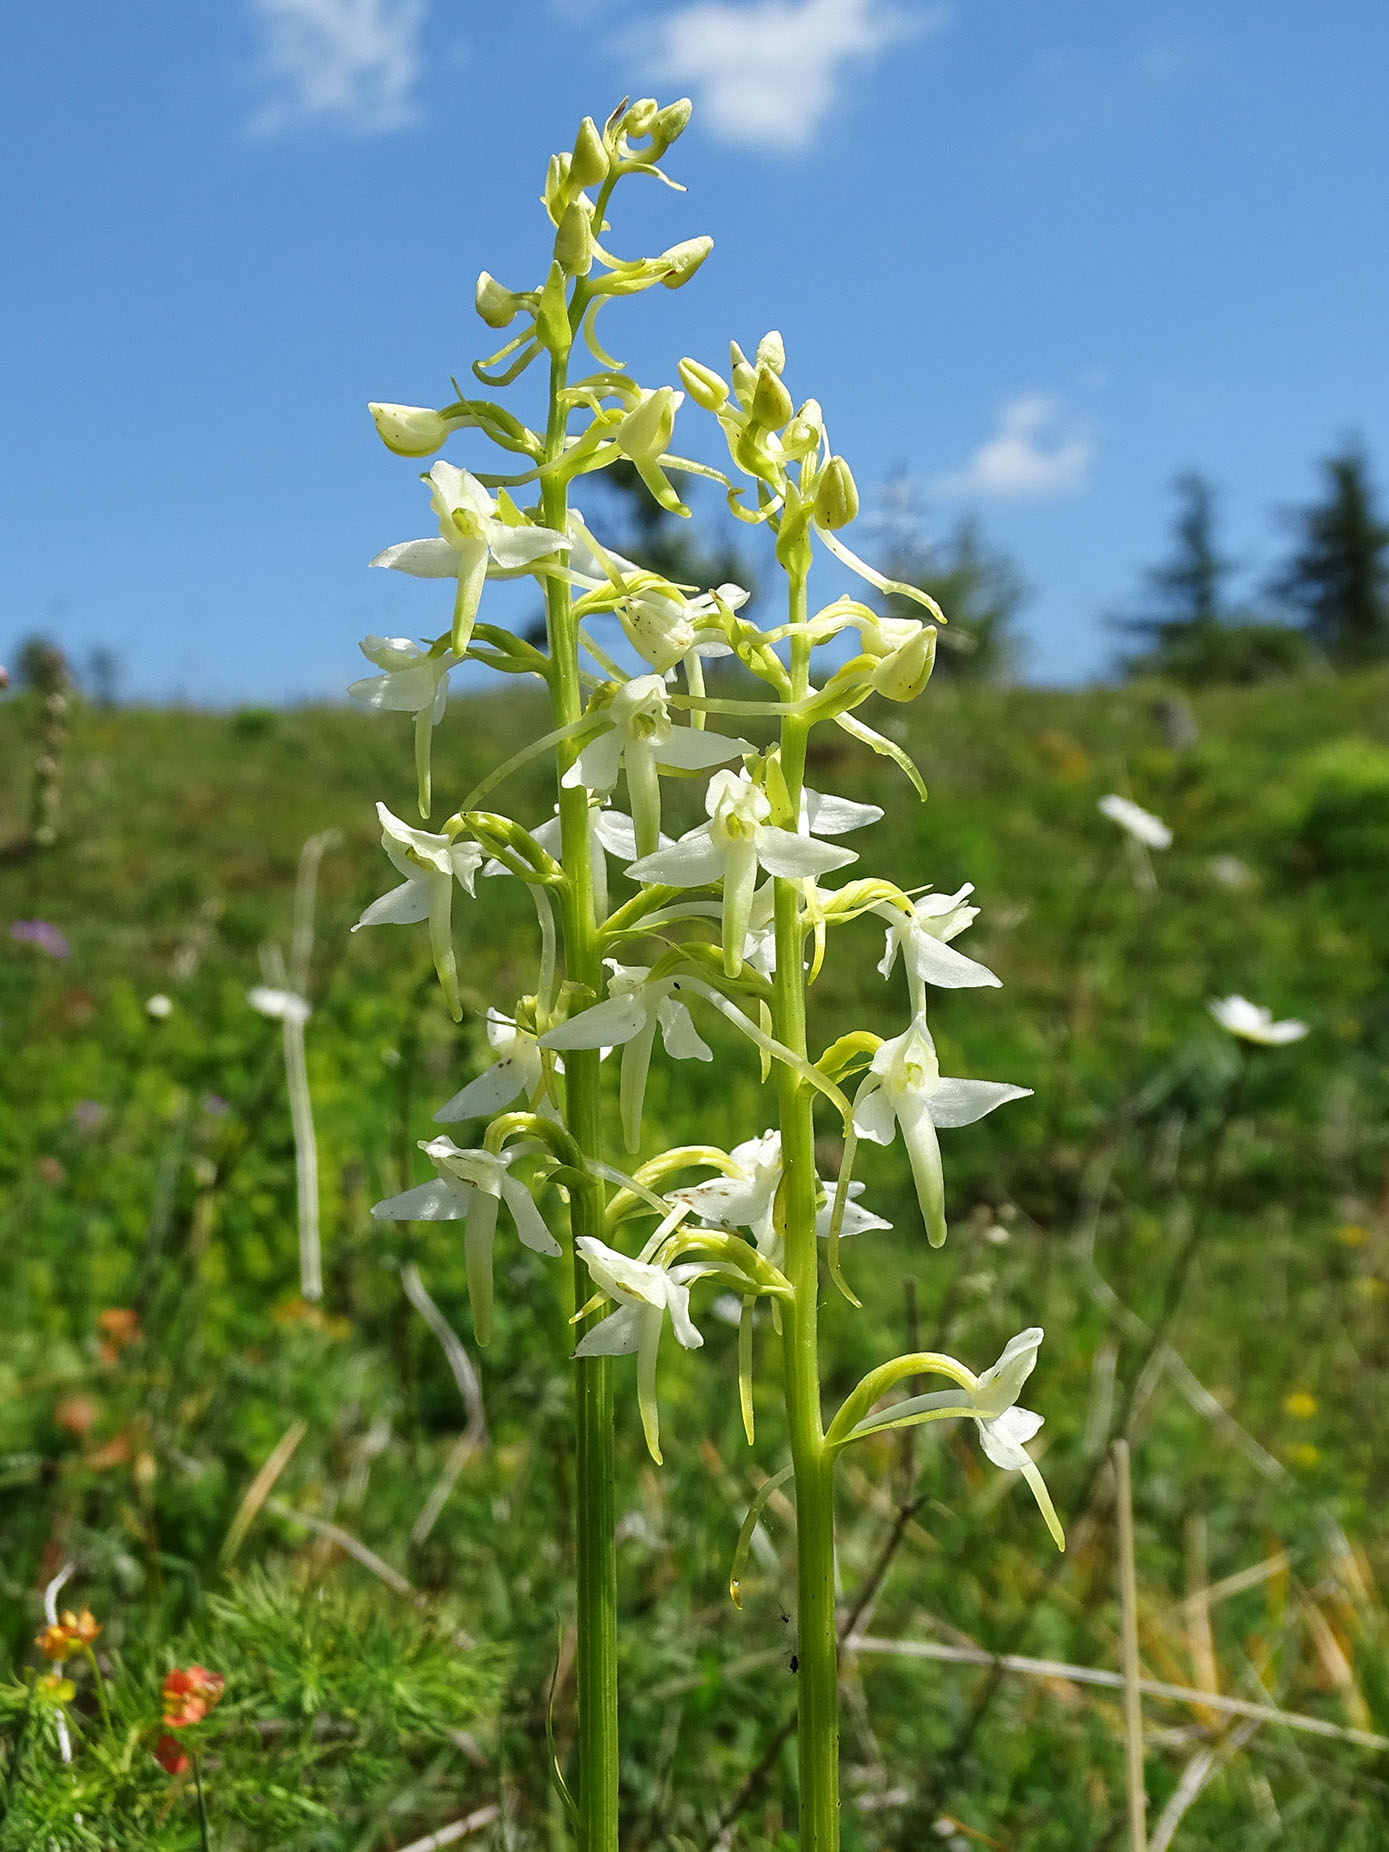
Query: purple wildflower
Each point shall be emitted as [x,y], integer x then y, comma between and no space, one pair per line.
[43,934]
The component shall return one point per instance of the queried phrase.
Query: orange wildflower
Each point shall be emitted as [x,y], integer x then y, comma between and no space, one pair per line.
[189,1694]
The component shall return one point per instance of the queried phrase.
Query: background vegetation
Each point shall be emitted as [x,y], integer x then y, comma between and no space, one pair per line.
[397,1661]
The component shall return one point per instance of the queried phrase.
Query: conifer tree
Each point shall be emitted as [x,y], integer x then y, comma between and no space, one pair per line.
[1338,578]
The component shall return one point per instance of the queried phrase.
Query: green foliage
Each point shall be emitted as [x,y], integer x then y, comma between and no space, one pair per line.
[148,1164]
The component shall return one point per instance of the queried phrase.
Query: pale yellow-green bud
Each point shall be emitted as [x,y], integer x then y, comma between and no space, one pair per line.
[771,352]
[588,165]
[682,260]
[669,124]
[411,430]
[902,675]
[640,116]
[704,385]
[497,305]
[744,375]
[557,188]
[836,495]
[574,239]
[771,402]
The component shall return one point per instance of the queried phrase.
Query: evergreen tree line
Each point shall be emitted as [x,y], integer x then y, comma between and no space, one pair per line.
[1328,601]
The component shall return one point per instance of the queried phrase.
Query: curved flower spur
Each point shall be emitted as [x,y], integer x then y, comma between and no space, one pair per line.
[622,971]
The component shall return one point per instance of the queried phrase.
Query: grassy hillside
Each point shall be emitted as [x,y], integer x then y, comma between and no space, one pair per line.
[1205,1239]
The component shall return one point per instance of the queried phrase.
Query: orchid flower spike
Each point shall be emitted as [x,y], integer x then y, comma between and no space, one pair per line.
[413,681]
[730,847]
[1251,1022]
[518,1069]
[636,1007]
[474,542]
[469,1188]
[431,864]
[991,1401]
[904,1089]
[645,1293]
[641,736]
[922,936]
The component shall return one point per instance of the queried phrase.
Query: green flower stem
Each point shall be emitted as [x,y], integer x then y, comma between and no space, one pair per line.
[595,1513]
[816,1643]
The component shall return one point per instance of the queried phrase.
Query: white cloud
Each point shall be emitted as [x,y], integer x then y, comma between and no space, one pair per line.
[1018,460]
[344,64]
[768,74]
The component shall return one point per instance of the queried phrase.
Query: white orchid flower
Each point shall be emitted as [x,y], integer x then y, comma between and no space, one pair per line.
[991,1401]
[730,847]
[922,936]
[635,1008]
[905,1089]
[1251,1022]
[743,1198]
[412,681]
[645,1294]
[470,1187]
[474,541]
[641,736]
[1136,822]
[664,626]
[518,1069]
[431,864]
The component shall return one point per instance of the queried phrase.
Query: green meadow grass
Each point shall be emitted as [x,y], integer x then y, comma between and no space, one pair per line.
[148,1164]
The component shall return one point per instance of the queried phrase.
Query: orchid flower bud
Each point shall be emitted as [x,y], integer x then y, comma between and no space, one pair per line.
[558,187]
[412,430]
[903,674]
[704,385]
[771,402]
[836,495]
[588,164]
[771,352]
[744,375]
[669,124]
[574,239]
[497,305]
[682,260]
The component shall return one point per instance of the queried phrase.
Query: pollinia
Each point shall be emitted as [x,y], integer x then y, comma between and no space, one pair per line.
[642,940]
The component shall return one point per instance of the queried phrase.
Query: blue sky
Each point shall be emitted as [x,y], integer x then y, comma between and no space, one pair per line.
[1036,257]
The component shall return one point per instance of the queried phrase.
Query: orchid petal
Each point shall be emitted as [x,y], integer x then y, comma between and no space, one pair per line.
[439,1200]
[961,1102]
[422,559]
